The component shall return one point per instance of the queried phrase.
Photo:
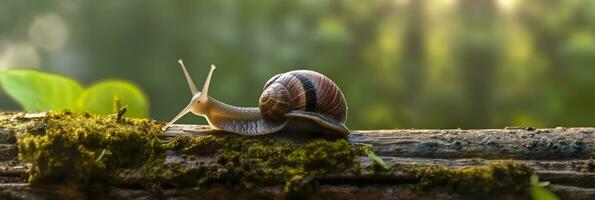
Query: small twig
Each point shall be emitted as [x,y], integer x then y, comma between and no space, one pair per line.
[121,112]
[118,109]
[117,103]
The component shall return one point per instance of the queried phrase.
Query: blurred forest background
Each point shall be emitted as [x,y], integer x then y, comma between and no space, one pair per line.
[400,63]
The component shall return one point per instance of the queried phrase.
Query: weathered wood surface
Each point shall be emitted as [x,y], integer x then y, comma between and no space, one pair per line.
[563,156]
[559,155]
[512,143]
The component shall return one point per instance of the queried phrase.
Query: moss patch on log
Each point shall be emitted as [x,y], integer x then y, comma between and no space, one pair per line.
[495,178]
[87,150]
[254,162]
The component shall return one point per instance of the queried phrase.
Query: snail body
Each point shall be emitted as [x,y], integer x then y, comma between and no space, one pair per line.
[300,100]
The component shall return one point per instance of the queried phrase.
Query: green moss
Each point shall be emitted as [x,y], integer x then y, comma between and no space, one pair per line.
[494,178]
[86,150]
[249,162]
[90,150]
[299,187]
[205,145]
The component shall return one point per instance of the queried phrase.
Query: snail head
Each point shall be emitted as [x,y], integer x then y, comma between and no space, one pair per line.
[199,101]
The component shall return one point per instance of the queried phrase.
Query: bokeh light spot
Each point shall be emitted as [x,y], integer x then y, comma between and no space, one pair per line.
[49,32]
[18,55]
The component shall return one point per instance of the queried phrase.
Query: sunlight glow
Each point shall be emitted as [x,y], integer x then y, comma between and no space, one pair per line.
[507,5]
[449,2]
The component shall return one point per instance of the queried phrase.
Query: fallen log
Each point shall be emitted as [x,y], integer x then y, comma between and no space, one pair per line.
[562,156]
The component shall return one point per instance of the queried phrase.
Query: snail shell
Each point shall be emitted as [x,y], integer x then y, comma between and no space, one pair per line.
[304,94]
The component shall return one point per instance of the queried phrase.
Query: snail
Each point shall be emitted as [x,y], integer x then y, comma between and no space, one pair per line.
[300,100]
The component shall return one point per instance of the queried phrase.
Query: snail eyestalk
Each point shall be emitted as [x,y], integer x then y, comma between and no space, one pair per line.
[180,115]
[188,79]
[205,88]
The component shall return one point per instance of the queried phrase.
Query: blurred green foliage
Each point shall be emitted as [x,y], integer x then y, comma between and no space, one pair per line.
[37,91]
[539,190]
[400,63]
[377,160]
[99,98]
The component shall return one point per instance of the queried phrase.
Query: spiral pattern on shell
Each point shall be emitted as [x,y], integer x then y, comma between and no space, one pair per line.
[274,102]
[302,90]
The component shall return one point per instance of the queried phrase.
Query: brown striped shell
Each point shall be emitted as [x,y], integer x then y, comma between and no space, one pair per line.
[302,90]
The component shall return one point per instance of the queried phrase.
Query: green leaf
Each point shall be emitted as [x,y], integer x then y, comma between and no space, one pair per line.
[539,192]
[38,91]
[99,98]
[377,160]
